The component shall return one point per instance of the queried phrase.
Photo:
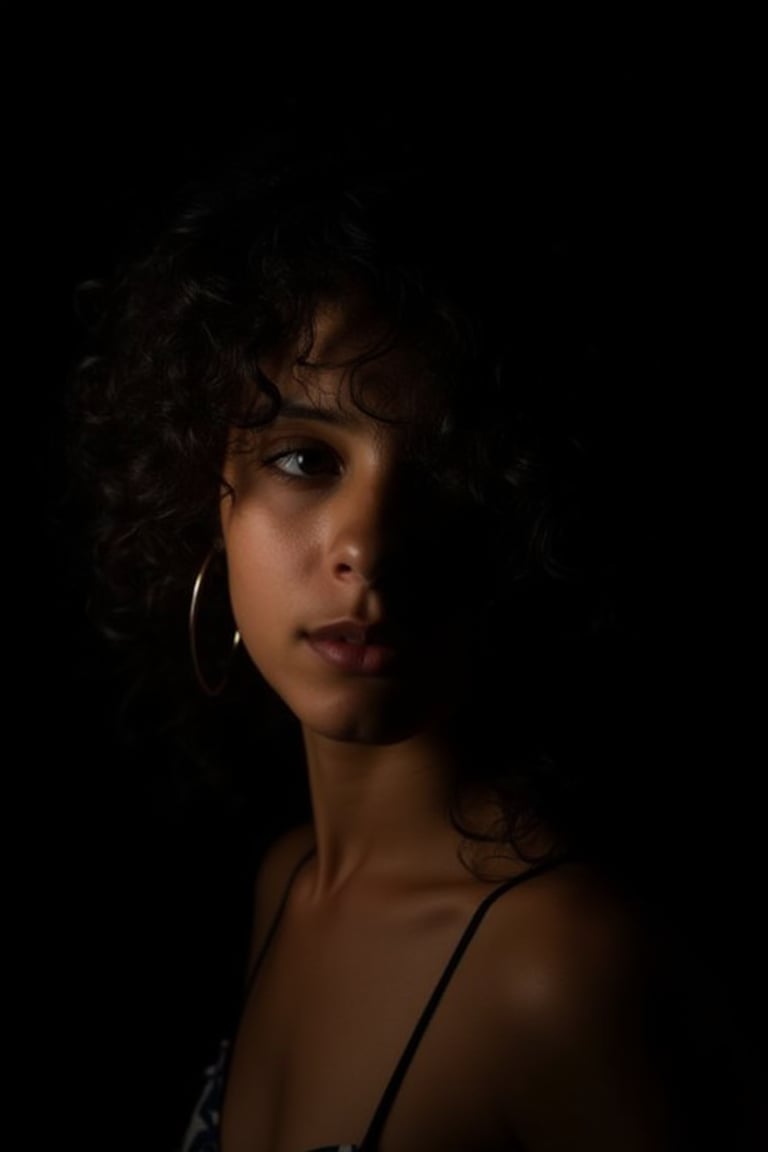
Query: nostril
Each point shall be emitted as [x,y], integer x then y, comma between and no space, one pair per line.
[346,571]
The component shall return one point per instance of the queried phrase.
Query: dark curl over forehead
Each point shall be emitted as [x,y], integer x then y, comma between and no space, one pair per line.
[269,249]
[452,264]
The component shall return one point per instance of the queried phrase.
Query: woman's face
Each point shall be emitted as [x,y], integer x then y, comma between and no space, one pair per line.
[341,557]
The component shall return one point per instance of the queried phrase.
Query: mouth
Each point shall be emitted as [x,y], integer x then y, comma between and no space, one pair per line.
[353,647]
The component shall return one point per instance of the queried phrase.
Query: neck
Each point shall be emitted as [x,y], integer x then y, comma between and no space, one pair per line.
[379,809]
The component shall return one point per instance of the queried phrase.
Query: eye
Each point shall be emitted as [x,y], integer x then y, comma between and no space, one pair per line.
[304,461]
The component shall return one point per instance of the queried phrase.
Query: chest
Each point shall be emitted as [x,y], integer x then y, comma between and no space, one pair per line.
[355,1022]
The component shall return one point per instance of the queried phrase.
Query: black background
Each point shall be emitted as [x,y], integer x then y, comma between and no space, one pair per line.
[130,918]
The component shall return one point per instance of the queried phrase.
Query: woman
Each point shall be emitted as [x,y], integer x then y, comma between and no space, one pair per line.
[361,397]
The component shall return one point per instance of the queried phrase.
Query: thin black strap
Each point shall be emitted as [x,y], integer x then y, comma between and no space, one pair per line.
[393,1087]
[276,919]
[229,1050]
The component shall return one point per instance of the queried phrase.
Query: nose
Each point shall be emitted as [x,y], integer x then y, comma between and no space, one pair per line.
[365,531]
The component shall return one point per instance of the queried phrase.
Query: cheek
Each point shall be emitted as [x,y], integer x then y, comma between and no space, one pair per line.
[268,564]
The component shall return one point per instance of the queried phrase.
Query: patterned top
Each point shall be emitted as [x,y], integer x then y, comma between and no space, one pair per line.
[203,1131]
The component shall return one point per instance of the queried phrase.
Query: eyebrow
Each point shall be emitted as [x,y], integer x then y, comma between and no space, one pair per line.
[295,410]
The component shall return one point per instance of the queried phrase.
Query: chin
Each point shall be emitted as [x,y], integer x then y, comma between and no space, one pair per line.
[383,721]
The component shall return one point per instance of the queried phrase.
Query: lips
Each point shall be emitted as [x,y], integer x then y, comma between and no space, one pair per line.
[350,646]
[344,631]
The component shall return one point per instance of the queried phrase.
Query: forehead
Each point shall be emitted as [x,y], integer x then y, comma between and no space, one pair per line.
[350,357]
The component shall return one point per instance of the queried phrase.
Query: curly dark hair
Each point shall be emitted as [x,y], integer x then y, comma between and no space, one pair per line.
[540,437]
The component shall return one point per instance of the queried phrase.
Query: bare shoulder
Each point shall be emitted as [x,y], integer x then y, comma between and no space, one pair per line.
[572,970]
[272,879]
[581,935]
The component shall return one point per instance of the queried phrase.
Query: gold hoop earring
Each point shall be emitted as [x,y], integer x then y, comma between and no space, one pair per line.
[209,688]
